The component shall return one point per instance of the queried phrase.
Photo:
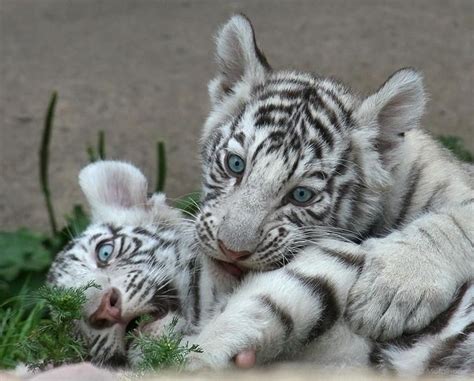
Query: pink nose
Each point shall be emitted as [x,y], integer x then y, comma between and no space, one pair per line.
[109,311]
[231,254]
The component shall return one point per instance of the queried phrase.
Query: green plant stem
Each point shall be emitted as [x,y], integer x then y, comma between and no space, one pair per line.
[161,166]
[101,145]
[44,160]
[91,154]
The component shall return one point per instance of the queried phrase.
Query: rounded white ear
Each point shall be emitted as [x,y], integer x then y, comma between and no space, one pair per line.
[238,57]
[113,185]
[396,107]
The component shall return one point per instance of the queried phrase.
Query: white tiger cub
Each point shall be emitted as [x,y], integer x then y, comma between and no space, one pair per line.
[140,251]
[292,158]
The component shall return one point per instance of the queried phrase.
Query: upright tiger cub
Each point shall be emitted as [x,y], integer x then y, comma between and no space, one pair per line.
[291,158]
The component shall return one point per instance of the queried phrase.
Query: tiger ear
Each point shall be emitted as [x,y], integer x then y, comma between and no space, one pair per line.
[240,60]
[113,188]
[395,108]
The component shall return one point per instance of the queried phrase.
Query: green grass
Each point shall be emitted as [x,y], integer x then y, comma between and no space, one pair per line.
[456,146]
[17,320]
[36,328]
[163,352]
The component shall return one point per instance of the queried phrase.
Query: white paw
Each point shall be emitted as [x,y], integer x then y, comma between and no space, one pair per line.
[399,291]
[208,359]
[196,362]
[158,327]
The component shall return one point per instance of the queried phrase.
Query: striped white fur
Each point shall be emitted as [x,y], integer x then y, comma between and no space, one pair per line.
[150,269]
[377,180]
[296,313]
[291,313]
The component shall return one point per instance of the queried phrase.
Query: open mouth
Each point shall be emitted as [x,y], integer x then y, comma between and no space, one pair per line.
[138,324]
[231,268]
[132,326]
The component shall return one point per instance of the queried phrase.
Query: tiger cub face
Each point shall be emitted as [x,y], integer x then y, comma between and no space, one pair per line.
[129,251]
[291,157]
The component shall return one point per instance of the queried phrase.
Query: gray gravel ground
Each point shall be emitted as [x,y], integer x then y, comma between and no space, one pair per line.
[138,69]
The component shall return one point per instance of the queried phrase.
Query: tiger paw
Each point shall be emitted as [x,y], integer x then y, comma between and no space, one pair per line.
[399,291]
[218,351]
[206,359]
[171,321]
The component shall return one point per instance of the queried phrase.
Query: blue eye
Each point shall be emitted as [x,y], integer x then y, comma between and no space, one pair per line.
[235,164]
[104,252]
[301,196]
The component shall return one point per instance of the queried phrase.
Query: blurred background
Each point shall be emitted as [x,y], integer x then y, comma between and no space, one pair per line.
[138,69]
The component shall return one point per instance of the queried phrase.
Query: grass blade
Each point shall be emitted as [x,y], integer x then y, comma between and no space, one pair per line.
[44,160]
[91,154]
[161,166]
[101,145]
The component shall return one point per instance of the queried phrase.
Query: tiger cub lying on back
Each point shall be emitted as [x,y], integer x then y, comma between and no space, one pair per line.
[141,252]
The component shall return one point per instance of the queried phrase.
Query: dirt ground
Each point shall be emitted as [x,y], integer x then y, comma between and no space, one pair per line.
[138,69]
[287,372]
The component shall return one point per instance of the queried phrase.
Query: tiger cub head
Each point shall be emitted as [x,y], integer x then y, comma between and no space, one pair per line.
[289,157]
[129,251]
